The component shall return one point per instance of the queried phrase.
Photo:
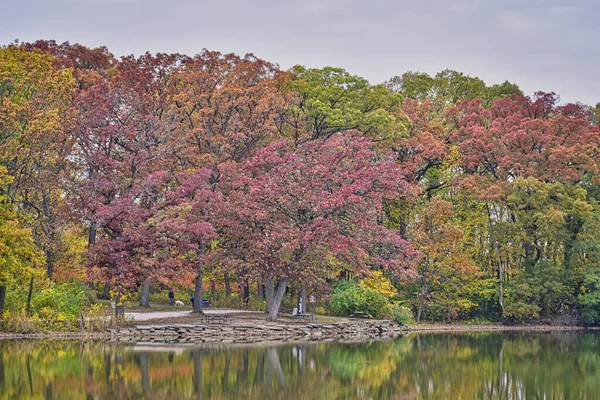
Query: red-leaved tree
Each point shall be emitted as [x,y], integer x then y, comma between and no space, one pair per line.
[291,213]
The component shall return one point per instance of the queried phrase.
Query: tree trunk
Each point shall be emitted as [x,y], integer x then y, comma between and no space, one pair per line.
[528,247]
[49,262]
[91,241]
[421,302]
[302,301]
[106,291]
[246,292]
[227,286]
[270,292]
[2,299]
[213,290]
[261,291]
[198,289]
[496,244]
[276,299]
[92,235]
[500,283]
[117,305]
[145,296]
[29,294]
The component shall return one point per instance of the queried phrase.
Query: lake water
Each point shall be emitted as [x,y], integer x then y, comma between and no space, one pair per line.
[516,365]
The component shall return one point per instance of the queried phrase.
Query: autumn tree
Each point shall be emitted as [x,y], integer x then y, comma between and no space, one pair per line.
[292,211]
[227,108]
[444,270]
[122,143]
[18,253]
[529,159]
[34,118]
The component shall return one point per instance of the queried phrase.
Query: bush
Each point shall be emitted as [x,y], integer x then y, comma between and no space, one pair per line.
[589,299]
[520,312]
[349,297]
[54,306]
[402,315]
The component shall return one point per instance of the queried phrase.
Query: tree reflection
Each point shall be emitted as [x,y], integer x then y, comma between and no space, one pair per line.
[470,365]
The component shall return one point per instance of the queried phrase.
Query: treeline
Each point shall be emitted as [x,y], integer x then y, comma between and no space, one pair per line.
[473,201]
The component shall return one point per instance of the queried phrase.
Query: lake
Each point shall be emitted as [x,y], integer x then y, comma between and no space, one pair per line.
[476,365]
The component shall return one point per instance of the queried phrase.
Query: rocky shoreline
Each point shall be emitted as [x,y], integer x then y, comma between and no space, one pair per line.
[258,331]
[252,333]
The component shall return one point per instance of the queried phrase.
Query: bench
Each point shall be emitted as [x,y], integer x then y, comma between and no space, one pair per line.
[217,319]
[359,314]
[304,317]
[297,316]
[286,311]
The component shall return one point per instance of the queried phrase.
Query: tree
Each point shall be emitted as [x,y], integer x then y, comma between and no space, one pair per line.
[448,87]
[530,161]
[18,253]
[330,100]
[122,144]
[185,224]
[290,213]
[227,107]
[444,270]
[34,117]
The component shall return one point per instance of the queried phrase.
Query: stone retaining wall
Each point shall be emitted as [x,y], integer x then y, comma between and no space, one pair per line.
[237,332]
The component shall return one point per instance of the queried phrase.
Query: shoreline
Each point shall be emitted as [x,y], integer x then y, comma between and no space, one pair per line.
[262,331]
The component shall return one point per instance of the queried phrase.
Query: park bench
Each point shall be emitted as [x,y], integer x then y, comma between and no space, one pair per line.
[286,311]
[304,317]
[296,316]
[217,319]
[360,314]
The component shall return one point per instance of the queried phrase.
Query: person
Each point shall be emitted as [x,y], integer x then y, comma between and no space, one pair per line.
[192,299]
[171,297]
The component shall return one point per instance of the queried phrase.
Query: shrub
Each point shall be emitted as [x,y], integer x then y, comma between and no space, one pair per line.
[402,315]
[589,299]
[520,312]
[349,297]
[54,306]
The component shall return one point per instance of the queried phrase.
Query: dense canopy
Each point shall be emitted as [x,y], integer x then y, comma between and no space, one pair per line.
[465,200]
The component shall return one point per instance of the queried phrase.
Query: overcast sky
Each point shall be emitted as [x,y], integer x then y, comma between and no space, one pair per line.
[539,44]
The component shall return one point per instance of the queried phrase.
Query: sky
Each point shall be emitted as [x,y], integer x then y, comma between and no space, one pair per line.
[543,45]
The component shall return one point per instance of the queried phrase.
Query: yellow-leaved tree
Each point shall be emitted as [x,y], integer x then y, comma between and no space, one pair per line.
[18,253]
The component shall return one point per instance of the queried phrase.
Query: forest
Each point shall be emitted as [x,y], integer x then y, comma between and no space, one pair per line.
[226,178]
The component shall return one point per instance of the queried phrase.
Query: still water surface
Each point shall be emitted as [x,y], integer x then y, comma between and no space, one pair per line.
[516,365]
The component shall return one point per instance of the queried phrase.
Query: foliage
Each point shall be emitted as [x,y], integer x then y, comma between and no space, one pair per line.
[379,283]
[53,307]
[520,312]
[330,100]
[463,200]
[403,315]
[589,299]
[350,296]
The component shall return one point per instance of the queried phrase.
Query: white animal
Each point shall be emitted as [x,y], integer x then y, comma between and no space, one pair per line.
[178,303]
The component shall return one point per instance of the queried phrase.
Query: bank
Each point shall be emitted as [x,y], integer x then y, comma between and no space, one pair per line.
[254,328]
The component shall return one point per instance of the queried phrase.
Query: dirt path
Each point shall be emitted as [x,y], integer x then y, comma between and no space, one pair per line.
[152,315]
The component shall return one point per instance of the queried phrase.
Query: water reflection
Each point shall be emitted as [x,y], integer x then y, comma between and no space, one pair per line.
[432,366]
